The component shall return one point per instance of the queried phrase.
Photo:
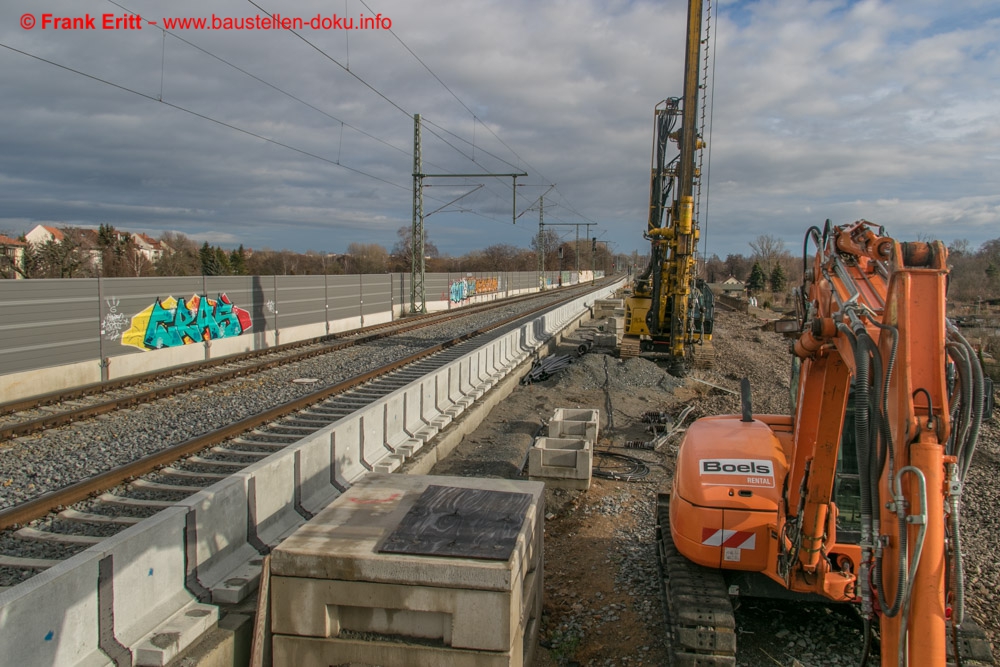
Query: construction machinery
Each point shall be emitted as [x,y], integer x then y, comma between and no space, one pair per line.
[854,497]
[670,313]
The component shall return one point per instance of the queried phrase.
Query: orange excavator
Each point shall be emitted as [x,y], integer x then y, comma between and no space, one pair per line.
[856,496]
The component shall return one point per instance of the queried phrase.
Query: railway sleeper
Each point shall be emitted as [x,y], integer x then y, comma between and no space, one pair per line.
[22,563]
[90,517]
[121,501]
[146,485]
[199,460]
[188,474]
[35,535]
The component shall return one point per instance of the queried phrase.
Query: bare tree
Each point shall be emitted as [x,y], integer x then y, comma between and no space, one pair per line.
[767,250]
[180,256]
[500,257]
[368,258]
[402,252]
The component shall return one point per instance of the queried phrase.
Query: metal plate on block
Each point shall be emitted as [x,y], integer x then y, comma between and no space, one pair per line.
[465,523]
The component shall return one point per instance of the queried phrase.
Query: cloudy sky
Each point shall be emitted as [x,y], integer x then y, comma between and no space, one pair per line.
[882,109]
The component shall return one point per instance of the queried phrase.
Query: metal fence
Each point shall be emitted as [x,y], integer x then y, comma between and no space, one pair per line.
[49,323]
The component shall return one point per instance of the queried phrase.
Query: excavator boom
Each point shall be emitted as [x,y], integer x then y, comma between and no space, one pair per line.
[854,497]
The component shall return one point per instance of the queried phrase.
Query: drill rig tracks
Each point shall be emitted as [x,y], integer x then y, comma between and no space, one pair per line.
[31,415]
[111,501]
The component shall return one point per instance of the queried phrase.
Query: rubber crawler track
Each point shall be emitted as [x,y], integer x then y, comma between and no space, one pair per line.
[699,613]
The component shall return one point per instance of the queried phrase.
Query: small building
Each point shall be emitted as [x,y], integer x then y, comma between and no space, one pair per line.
[149,247]
[11,256]
[41,234]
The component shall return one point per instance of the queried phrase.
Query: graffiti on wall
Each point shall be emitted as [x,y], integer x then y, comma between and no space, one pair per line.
[114,323]
[171,322]
[468,287]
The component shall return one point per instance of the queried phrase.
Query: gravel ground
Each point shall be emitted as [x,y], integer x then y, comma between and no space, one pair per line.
[603,604]
[33,465]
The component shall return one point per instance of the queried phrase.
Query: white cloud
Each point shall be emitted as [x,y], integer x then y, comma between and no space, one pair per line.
[883,109]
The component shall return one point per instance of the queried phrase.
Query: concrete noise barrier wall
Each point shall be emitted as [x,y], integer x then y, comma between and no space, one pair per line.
[142,596]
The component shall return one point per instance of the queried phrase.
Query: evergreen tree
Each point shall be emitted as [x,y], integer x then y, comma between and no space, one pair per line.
[756,281]
[209,262]
[222,261]
[238,261]
[778,280]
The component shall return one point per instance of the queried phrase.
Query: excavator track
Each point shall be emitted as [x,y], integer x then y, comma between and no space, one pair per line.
[973,646]
[630,347]
[703,355]
[696,601]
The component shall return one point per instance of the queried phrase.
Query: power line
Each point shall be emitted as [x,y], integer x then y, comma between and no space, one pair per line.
[205,117]
[337,63]
[266,83]
[475,118]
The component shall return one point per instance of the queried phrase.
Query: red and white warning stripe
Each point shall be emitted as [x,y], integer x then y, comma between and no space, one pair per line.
[731,539]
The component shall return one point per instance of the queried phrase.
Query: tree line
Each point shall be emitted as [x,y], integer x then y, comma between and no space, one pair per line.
[771,271]
[110,253]
[768,270]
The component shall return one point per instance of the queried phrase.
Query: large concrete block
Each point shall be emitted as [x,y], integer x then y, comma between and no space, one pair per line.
[330,581]
[561,462]
[573,429]
[591,416]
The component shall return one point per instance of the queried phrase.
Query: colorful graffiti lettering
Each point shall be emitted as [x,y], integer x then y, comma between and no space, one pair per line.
[468,287]
[172,323]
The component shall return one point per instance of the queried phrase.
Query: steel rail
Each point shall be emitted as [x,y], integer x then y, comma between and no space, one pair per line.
[419,320]
[41,506]
[350,339]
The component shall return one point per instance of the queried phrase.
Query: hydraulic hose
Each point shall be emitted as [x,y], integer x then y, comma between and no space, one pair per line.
[862,451]
[958,569]
[918,549]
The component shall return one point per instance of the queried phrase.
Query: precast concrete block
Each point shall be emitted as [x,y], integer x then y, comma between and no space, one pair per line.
[570,429]
[590,415]
[561,462]
[313,471]
[345,443]
[219,553]
[330,580]
[52,619]
[270,485]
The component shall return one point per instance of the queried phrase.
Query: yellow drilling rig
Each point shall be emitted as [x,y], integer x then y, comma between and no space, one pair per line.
[669,314]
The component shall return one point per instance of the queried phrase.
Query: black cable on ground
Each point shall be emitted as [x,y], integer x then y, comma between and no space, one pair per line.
[628,469]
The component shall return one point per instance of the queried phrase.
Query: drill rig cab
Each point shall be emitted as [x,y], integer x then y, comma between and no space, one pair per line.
[855,496]
[670,314]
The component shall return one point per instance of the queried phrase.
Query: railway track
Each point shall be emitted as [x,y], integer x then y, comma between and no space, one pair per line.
[43,531]
[35,414]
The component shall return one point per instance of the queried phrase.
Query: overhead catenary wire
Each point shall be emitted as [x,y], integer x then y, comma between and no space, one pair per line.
[205,117]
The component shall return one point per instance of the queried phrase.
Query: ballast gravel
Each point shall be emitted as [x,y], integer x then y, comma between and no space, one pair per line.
[33,465]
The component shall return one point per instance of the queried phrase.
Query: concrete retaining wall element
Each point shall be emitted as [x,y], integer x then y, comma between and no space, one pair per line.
[155,578]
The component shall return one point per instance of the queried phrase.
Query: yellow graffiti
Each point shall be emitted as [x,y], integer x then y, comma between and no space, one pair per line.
[484,285]
[140,321]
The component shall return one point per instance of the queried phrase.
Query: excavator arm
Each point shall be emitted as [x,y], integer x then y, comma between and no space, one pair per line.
[859,498]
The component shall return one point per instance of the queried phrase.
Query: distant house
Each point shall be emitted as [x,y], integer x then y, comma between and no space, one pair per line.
[11,255]
[150,248]
[730,286]
[41,234]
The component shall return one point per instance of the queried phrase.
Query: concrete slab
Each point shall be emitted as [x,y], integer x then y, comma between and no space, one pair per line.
[341,541]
